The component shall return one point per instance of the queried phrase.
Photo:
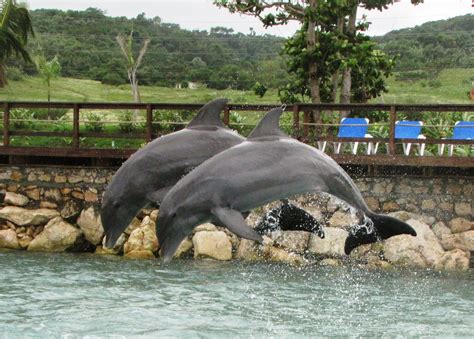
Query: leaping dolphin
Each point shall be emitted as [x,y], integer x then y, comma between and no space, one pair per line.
[151,171]
[268,166]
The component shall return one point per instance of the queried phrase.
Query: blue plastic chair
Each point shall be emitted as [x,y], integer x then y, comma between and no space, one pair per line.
[463,130]
[407,129]
[353,128]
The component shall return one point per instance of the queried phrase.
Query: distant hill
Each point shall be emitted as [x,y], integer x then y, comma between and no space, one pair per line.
[433,46]
[85,42]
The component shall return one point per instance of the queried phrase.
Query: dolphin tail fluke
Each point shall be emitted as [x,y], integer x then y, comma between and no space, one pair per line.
[384,227]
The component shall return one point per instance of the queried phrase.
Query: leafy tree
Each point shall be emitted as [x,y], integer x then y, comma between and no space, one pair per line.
[15,27]
[259,89]
[48,70]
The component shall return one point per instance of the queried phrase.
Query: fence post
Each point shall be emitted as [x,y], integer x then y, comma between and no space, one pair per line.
[305,127]
[226,115]
[75,127]
[296,121]
[149,122]
[6,124]
[393,118]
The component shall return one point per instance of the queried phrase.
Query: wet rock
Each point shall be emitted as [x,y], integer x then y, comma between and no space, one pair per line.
[454,260]
[154,215]
[134,224]
[463,241]
[15,199]
[33,193]
[463,208]
[423,250]
[91,226]
[459,225]
[25,240]
[185,248]
[142,242]
[205,227]
[343,220]
[375,262]
[212,244]
[48,204]
[404,216]
[24,217]
[293,241]
[71,209]
[117,249]
[57,236]
[9,239]
[331,245]
[248,250]
[439,229]
[53,194]
[276,254]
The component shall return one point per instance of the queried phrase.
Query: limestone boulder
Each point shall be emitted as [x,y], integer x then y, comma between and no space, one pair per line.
[405,216]
[184,249]
[342,219]
[205,227]
[440,229]
[454,260]
[9,239]
[330,262]
[248,250]
[423,250]
[71,209]
[90,224]
[24,217]
[332,245]
[142,242]
[57,236]
[459,225]
[15,199]
[463,241]
[134,224]
[212,244]
[276,254]
[293,241]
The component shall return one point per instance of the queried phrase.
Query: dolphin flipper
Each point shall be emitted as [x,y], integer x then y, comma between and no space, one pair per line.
[384,227]
[235,222]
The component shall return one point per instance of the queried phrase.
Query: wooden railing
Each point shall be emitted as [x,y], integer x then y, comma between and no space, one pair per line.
[301,128]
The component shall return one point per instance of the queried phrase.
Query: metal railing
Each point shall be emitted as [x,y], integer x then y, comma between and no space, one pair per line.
[301,128]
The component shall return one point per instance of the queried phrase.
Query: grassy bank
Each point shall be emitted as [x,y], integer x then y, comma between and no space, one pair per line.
[450,86]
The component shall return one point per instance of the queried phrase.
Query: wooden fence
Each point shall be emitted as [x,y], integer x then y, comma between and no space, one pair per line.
[302,128]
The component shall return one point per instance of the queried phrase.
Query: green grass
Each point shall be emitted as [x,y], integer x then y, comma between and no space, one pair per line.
[455,83]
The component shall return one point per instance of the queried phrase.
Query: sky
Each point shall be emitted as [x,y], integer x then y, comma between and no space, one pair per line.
[202,14]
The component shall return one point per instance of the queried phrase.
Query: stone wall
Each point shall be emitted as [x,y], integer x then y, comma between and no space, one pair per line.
[70,189]
[56,209]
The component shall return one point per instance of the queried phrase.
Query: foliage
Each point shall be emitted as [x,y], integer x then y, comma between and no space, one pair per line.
[127,124]
[15,27]
[259,89]
[94,122]
[21,118]
[168,121]
[48,70]
[14,73]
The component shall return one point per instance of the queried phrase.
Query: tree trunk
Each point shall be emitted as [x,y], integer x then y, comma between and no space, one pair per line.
[311,40]
[3,76]
[346,76]
[335,76]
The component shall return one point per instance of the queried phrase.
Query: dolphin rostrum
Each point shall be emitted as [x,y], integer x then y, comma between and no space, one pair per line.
[268,166]
[151,171]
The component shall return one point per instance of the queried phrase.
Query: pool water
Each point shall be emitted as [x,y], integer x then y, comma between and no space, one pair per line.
[85,295]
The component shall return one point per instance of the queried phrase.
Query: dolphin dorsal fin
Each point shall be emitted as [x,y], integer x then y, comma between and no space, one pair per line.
[210,114]
[269,126]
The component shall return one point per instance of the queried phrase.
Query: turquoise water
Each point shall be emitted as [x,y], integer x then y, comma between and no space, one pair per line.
[70,296]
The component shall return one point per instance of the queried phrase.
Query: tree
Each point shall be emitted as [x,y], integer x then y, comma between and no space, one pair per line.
[15,27]
[321,21]
[132,63]
[48,70]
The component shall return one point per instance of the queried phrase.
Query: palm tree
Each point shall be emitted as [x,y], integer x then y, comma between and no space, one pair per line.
[15,26]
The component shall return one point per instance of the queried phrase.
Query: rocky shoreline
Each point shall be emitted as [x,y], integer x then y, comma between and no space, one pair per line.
[439,245]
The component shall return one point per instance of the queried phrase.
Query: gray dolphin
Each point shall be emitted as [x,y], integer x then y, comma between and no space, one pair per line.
[267,167]
[151,171]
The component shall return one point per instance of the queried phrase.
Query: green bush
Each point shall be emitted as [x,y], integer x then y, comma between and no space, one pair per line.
[21,118]
[94,122]
[435,83]
[259,89]
[51,114]
[170,121]
[127,125]
[14,73]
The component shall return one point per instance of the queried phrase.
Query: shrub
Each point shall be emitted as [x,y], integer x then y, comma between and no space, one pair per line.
[126,124]
[94,123]
[259,89]
[435,83]
[53,113]
[14,73]
[21,118]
